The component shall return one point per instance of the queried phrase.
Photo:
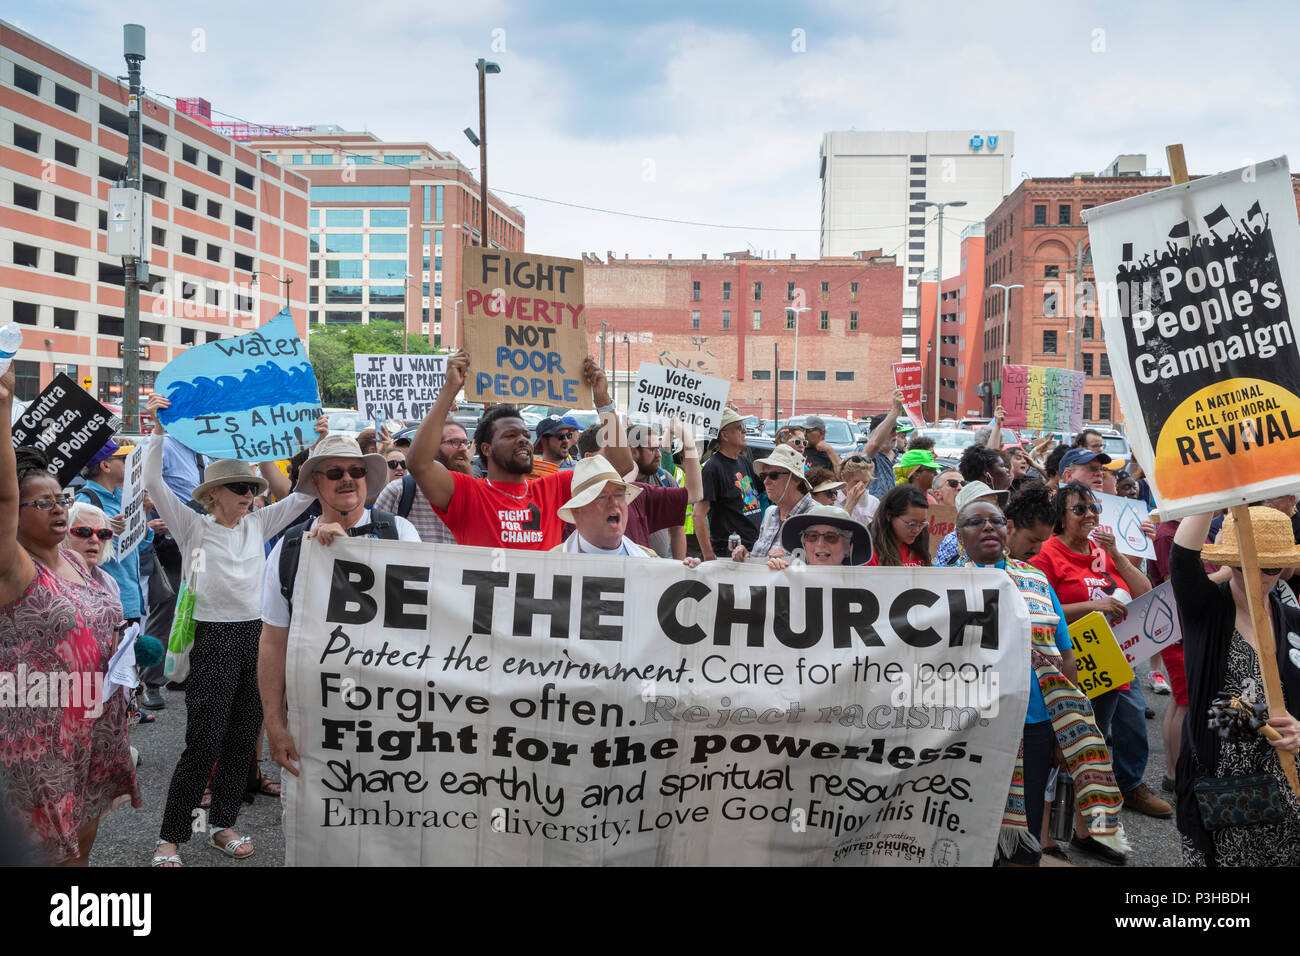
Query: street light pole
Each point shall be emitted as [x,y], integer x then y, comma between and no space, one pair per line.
[484,67]
[455,323]
[938,298]
[1006,303]
[406,319]
[794,392]
[135,265]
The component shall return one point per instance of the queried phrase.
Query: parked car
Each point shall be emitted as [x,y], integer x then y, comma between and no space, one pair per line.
[840,432]
[949,443]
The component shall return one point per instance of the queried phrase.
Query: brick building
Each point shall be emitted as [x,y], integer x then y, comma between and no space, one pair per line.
[961,347]
[730,318]
[217,213]
[388,221]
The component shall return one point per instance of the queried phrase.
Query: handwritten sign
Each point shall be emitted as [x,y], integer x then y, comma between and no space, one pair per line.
[67,425]
[1152,625]
[525,328]
[251,398]
[1049,399]
[664,393]
[133,502]
[943,521]
[1123,518]
[907,376]
[403,387]
[1102,665]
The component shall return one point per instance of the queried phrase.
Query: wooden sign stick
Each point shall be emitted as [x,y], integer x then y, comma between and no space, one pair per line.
[1260,618]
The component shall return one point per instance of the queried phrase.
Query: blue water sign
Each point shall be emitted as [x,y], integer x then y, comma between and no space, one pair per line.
[252,398]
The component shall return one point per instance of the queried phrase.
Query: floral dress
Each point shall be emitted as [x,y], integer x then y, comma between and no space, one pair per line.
[1268,844]
[63,762]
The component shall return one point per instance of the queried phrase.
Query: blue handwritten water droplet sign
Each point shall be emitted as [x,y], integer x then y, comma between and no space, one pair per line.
[251,398]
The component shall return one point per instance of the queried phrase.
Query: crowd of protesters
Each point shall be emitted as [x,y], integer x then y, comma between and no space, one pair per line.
[623,489]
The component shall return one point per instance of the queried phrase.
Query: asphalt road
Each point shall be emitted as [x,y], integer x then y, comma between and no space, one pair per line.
[126,837]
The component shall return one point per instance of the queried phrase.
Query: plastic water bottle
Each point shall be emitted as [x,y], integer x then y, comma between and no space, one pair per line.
[733,542]
[11,340]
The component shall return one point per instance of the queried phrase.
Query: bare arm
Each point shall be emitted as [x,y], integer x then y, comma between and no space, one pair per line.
[678,537]
[701,519]
[270,679]
[1192,530]
[277,482]
[825,446]
[692,473]
[16,568]
[994,440]
[884,433]
[431,477]
[612,435]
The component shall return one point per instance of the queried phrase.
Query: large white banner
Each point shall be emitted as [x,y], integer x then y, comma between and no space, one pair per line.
[460,706]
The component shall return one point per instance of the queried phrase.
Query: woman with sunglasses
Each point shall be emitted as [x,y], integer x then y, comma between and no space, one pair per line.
[90,536]
[900,531]
[225,550]
[396,464]
[66,765]
[782,475]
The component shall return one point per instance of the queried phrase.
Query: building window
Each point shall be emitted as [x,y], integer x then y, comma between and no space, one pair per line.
[65,153]
[344,242]
[65,319]
[321,159]
[1063,215]
[244,179]
[189,246]
[214,165]
[726,319]
[25,255]
[1049,341]
[27,139]
[1105,366]
[437,209]
[1087,408]
[428,203]
[1051,272]
[27,197]
[211,337]
[843,376]
[758,319]
[214,209]
[347,218]
[27,380]
[214,253]
[65,264]
[114,120]
[190,200]
[189,291]
[787,375]
[760,375]
[815,375]
[388,218]
[313,269]
[695,318]
[825,323]
[790,318]
[789,292]
[402,159]
[758,292]
[153,137]
[1087,327]
[917,159]
[826,288]
[1040,215]
[244,263]
[1087,364]
[388,242]
[328,194]
[214,296]
[1050,304]
[853,321]
[313,218]
[695,292]
[27,80]
[726,292]
[65,209]
[187,336]
[243,221]
[296,159]
[155,187]
[26,313]
[1103,407]
[110,325]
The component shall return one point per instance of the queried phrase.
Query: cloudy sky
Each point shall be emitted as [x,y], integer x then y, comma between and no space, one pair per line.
[714,112]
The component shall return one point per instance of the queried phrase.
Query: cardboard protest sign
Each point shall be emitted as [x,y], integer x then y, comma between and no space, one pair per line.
[1123,518]
[907,376]
[1102,665]
[1048,399]
[525,328]
[402,387]
[137,525]
[943,521]
[251,398]
[663,393]
[1152,625]
[67,425]
[1194,285]
[638,714]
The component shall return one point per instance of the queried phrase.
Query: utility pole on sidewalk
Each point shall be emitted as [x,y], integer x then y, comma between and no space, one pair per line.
[135,264]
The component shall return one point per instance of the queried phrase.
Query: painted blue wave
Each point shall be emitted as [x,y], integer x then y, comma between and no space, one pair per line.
[266,384]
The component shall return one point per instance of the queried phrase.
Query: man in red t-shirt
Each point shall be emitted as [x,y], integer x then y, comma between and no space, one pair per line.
[503,510]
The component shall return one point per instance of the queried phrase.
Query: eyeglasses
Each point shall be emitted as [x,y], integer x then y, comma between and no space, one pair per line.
[797,443]
[456,442]
[47,504]
[240,487]
[564,436]
[1270,571]
[396,463]
[618,497]
[915,525]
[774,475]
[1080,510]
[82,531]
[830,537]
[355,472]
[996,521]
[856,460]
[955,483]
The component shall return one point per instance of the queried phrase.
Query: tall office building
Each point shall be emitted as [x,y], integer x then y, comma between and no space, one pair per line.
[874,182]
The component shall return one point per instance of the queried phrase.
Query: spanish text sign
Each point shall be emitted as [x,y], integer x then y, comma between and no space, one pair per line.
[525,328]
[1194,285]
[582,710]
[252,398]
[1049,399]
[662,393]
[402,387]
[1101,664]
[67,425]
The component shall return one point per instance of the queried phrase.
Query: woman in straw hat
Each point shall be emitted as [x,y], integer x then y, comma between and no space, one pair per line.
[824,536]
[225,549]
[1219,654]
[782,475]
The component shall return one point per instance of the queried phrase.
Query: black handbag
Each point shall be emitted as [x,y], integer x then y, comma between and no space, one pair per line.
[1245,801]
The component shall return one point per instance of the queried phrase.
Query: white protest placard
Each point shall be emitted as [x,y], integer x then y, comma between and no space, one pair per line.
[137,525]
[1123,518]
[1151,625]
[663,393]
[578,710]
[403,387]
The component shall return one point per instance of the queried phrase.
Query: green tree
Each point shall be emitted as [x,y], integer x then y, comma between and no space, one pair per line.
[331,347]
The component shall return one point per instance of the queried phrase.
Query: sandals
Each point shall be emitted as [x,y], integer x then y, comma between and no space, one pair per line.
[172,860]
[264,786]
[231,847]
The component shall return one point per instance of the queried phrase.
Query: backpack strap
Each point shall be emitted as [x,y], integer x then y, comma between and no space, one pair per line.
[408,495]
[381,525]
[93,496]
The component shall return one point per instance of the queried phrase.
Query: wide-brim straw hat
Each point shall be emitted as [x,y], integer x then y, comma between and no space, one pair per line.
[343,446]
[225,471]
[1274,541]
[785,458]
[794,527]
[590,476]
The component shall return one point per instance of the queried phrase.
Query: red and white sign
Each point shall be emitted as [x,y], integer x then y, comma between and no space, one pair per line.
[907,376]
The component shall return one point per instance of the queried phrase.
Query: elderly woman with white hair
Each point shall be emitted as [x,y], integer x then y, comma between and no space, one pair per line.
[225,551]
[90,536]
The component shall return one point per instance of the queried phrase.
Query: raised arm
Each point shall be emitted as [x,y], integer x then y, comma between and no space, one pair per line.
[692,474]
[884,433]
[178,516]
[431,477]
[1192,530]
[994,440]
[16,568]
[612,435]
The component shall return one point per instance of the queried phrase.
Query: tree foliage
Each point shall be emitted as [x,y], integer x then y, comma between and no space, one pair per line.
[331,347]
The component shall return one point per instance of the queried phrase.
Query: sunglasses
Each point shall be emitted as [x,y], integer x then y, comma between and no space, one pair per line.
[955,483]
[830,537]
[81,531]
[396,463]
[856,460]
[1080,510]
[355,472]
[1270,571]
[48,504]
[774,475]
[241,487]
[797,443]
